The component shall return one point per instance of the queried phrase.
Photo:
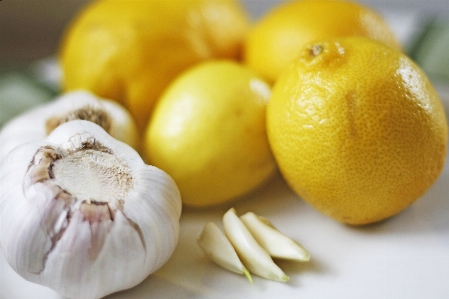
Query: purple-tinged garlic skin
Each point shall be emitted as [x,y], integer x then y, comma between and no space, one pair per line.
[82,213]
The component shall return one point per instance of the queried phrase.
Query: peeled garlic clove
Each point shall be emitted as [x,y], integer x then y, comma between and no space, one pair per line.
[82,214]
[218,248]
[36,124]
[273,241]
[252,255]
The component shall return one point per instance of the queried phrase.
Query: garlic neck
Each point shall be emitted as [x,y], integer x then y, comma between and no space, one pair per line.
[96,115]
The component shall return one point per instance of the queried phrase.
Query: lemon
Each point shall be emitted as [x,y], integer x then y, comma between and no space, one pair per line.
[276,38]
[357,129]
[130,50]
[208,132]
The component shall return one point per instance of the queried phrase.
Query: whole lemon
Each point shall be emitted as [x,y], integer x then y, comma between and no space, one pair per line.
[208,132]
[357,129]
[130,50]
[276,39]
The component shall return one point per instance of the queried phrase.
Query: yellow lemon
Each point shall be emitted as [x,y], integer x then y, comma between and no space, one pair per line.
[357,129]
[130,50]
[208,132]
[276,39]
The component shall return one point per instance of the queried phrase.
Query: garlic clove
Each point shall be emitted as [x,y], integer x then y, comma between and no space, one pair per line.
[81,213]
[217,247]
[273,241]
[252,255]
[37,123]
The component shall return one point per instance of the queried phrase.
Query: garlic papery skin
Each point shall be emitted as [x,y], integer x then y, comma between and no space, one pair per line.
[81,213]
[37,123]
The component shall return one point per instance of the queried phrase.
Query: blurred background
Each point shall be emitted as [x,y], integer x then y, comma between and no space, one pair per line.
[31,29]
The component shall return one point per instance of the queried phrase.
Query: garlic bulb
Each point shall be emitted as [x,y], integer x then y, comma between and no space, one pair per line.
[82,214]
[40,121]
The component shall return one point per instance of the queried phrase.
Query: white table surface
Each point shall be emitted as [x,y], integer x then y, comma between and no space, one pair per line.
[406,256]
